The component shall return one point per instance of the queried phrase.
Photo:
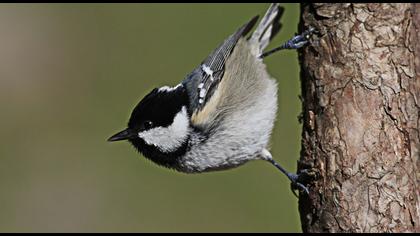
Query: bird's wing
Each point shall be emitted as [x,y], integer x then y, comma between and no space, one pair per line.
[203,82]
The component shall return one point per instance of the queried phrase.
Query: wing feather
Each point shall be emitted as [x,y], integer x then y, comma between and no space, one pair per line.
[202,84]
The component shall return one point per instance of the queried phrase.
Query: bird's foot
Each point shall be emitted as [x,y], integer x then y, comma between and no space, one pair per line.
[296,42]
[299,181]
[299,40]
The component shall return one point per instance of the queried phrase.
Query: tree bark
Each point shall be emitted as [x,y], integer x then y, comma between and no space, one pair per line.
[361,118]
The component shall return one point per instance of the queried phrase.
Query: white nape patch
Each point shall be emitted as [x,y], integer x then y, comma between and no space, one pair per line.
[168,89]
[168,139]
[207,69]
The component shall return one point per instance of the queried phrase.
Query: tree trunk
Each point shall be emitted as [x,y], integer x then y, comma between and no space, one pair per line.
[361,118]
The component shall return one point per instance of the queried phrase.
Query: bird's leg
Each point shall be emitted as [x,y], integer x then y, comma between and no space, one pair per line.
[296,179]
[296,42]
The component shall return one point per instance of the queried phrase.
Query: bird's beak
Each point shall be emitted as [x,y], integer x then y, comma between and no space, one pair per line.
[123,135]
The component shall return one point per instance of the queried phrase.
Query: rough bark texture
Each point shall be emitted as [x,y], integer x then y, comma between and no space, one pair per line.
[361,119]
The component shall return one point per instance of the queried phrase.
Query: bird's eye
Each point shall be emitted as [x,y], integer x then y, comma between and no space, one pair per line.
[148,124]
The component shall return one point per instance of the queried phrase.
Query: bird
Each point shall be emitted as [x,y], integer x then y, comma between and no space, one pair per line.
[221,115]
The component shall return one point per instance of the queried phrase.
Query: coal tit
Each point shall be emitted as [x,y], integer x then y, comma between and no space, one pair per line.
[222,114]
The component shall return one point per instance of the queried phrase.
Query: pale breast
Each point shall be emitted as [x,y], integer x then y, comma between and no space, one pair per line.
[245,105]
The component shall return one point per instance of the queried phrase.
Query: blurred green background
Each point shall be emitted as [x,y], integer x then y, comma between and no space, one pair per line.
[70,75]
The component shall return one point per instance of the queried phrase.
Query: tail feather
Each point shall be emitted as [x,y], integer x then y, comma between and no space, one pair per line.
[268,27]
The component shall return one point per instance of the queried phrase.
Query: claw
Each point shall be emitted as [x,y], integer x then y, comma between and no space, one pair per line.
[296,42]
[299,40]
[296,182]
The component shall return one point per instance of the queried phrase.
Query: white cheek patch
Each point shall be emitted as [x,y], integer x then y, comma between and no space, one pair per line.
[168,139]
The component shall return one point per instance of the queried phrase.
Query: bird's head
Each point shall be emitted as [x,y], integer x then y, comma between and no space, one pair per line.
[159,123]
